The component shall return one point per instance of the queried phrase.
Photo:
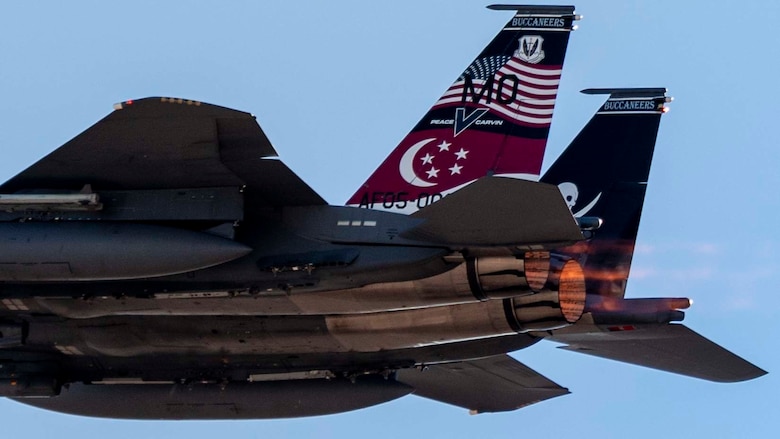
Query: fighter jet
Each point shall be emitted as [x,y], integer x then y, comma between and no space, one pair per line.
[164,264]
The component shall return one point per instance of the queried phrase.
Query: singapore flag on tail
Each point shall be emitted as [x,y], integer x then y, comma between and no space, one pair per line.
[493,120]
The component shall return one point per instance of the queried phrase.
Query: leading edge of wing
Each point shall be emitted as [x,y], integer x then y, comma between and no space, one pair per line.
[492,384]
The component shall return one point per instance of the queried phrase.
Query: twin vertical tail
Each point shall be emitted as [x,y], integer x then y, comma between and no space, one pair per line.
[493,120]
[603,174]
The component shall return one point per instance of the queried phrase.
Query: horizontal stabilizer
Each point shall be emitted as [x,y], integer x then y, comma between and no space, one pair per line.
[494,212]
[493,384]
[672,348]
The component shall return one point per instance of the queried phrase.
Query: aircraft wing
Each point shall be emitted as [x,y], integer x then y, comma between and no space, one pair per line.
[168,143]
[668,347]
[492,384]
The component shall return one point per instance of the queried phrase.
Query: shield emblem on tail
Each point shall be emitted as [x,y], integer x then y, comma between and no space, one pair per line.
[530,49]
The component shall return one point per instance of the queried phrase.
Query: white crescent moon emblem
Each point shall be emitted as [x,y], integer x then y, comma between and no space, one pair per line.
[407,161]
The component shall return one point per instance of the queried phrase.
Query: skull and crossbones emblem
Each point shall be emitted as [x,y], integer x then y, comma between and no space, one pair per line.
[570,193]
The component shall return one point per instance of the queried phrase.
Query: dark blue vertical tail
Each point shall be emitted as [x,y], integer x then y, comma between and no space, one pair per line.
[603,174]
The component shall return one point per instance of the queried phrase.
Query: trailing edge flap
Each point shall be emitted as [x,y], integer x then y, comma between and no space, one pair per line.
[493,384]
[669,347]
[166,143]
[496,211]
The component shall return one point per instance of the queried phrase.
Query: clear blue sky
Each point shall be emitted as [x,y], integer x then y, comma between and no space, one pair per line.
[337,84]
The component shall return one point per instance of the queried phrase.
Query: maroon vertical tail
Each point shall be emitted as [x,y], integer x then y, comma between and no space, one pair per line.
[494,120]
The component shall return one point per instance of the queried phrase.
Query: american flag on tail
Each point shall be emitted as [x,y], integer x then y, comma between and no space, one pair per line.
[522,92]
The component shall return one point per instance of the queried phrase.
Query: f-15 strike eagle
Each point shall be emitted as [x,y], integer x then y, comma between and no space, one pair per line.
[164,265]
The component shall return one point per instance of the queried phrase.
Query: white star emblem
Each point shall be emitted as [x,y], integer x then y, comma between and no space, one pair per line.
[432,173]
[427,159]
[455,169]
[444,146]
[461,154]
